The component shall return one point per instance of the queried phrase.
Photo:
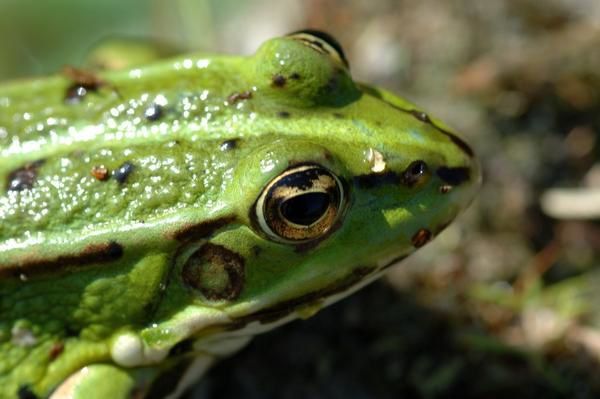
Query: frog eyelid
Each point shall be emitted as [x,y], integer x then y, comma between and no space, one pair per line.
[323,43]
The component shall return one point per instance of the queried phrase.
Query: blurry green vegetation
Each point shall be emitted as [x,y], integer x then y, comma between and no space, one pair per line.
[505,303]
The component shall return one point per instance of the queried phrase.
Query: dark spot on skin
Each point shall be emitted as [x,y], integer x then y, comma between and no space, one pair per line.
[168,380]
[237,96]
[283,309]
[100,172]
[283,114]
[420,115]
[75,93]
[123,172]
[56,350]
[338,115]
[421,237]
[92,254]
[445,188]
[196,232]
[229,145]
[373,180]
[278,81]
[154,112]
[333,83]
[295,76]
[454,176]
[25,392]
[217,272]
[72,332]
[256,250]
[414,173]
[24,178]
[83,82]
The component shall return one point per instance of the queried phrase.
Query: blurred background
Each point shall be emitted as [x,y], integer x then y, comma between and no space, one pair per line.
[506,302]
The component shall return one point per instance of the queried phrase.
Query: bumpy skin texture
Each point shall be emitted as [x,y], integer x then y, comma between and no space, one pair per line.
[111,183]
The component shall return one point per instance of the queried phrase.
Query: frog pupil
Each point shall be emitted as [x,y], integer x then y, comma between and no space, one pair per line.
[305,209]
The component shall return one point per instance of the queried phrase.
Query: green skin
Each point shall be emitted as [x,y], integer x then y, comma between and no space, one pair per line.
[91,263]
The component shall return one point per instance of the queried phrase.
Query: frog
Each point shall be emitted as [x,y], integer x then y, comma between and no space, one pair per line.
[155,218]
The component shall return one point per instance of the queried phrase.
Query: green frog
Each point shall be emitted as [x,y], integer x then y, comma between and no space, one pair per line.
[155,218]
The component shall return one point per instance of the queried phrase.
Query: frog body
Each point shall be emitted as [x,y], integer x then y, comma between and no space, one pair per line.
[153,219]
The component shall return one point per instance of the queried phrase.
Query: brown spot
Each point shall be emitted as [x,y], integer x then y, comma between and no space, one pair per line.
[445,188]
[454,176]
[229,145]
[285,308]
[283,114]
[92,254]
[56,350]
[338,115]
[82,83]
[421,237]
[123,172]
[82,76]
[238,96]
[100,172]
[278,81]
[195,232]
[24,178]
[154,112]
[216,272]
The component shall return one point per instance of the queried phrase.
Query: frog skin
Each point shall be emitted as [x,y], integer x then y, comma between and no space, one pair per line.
[153,219]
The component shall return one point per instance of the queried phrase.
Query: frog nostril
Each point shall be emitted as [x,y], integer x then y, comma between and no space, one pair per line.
[416,173]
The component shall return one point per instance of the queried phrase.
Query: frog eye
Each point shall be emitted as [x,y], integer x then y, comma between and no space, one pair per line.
[301,204]
[322,42]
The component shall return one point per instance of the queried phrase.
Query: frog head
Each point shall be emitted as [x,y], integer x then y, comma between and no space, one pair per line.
[336,181]
[182,207]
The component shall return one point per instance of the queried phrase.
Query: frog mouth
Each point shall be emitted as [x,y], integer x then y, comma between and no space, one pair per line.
[319,298]
[271,315]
